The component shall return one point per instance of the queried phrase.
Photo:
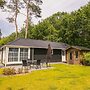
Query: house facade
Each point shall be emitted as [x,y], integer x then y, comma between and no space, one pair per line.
[23,49]
[74,54]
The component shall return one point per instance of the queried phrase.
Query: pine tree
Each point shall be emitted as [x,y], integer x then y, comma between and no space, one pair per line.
[32,8]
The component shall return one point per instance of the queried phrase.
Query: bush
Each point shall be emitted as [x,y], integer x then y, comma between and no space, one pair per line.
[26,70]
[86,59]
[20,70]
[9,71]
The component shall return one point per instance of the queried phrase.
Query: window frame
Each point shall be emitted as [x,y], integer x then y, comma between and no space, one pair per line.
[23,54]
[13,55]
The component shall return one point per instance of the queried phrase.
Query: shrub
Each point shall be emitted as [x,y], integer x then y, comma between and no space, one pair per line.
[9,71]
[26,70]
[86,59]
[20,70]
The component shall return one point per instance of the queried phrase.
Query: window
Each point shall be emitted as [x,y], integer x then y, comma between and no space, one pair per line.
[13,54]
[57,52]
[70,55]
[76,53]
[40,51]
[23,54]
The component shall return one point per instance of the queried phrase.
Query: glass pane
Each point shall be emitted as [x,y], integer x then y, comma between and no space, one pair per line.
[23,54]
[13,54]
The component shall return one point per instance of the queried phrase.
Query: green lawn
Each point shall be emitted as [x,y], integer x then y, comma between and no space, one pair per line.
[61,77]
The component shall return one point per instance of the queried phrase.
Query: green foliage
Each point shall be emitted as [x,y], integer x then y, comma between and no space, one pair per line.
[2,2]
[9,71]
[71,28]
[86,59]
[7,39]
[20,70]
[44,31]
[22,33]
[26,70]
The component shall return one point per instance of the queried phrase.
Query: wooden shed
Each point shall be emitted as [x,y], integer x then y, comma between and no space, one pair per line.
[74,54]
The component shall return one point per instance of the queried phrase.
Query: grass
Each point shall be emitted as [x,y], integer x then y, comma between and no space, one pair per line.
[1,70]
[61,77]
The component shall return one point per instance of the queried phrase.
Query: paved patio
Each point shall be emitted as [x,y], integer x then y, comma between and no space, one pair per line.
[32,67]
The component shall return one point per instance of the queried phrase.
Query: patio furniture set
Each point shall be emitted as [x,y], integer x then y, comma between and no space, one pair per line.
[32,63]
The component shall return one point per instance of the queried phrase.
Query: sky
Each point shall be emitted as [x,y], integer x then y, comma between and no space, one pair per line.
[48,7]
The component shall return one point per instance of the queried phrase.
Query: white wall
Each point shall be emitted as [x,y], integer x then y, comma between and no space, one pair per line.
[4,55]
[28,53]
[63,52]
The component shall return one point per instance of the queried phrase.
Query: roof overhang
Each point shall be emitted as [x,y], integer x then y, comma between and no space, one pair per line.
[84,49]
[17,46]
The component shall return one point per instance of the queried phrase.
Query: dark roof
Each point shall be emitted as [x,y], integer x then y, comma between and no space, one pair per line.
[37,44]
[80,48]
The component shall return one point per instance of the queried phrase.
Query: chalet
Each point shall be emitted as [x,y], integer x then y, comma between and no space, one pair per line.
[22,49]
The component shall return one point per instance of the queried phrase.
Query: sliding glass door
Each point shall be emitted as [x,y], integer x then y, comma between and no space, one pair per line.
[23,54]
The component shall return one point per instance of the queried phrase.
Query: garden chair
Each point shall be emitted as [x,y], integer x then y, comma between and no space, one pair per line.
[38,64]
[24,64]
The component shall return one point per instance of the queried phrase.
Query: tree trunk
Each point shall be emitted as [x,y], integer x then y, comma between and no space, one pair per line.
[16,26]
[26,32]
[0,34]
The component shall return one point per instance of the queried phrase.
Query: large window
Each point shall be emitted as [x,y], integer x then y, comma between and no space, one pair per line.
[13,55]
[56,52]
[40,51]
[23,54]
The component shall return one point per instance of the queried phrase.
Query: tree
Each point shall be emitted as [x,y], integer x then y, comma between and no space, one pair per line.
[13,7]
[32,8]
[40,31]
[86,59]
[2,2]
[0,34]
[71,28]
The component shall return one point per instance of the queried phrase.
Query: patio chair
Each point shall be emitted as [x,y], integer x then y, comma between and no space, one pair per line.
[38,64]
[29,62]
[24,63]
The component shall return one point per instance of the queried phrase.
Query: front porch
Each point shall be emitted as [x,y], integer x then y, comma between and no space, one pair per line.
[15,55]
